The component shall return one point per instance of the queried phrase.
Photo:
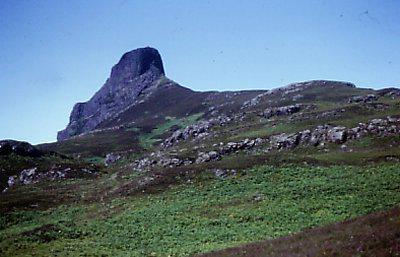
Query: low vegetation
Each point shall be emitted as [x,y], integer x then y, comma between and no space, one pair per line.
[147,140]
[203,214]
[170,200]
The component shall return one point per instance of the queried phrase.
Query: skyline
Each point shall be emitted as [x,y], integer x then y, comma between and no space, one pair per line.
[58,54]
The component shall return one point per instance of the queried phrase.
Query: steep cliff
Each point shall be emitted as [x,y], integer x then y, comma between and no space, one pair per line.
[136,71]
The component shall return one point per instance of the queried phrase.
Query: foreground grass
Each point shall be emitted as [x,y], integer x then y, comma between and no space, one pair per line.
[262,203]
[375,234]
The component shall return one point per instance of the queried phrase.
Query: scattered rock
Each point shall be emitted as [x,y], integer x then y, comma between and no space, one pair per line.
[362,98]
[391,92]
[326,133]
[224,173]
[319,136]
[33,175]
[336,135]
[111,158]
[206,157]
[258,197]
[254,101]
[283,110]
[286,140]
[195,131]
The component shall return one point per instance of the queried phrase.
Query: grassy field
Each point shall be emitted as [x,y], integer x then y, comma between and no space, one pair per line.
[375,234]
[204,214]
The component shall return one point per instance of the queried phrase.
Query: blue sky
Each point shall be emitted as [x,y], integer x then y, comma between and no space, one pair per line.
[56,53]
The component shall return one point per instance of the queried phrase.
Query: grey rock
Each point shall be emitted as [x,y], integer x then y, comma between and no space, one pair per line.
[254,101]
[337,134]
[285,140]
[206,157]
[33,175]
[344,148]
[258,197]
[111,158]
[224,173]
[198,130]
[283,110]
[136,71]
[28,176]
[11,181]
[364,98]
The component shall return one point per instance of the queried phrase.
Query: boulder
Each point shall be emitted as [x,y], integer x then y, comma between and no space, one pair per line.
[224,173]
[285,140]
[337,135]
[362,98]
[111,158]
[283,110]
[206,157]
[28,176]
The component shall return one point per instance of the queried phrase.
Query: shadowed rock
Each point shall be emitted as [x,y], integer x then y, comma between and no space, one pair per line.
[135,71]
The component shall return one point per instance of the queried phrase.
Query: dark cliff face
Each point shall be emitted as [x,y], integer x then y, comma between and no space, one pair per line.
[135,71]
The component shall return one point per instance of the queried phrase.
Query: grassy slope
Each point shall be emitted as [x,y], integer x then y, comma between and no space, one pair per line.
[147,140]
[110,216]
[203,215]
[376,234]
[97,144]
[13,164]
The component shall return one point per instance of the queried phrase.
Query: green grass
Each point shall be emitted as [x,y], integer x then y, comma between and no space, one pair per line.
[264,131]
[134,129]
[204,216]
[149,139]
[95,160]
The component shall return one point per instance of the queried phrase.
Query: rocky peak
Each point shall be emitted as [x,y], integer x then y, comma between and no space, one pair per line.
[138,62]
[135,71]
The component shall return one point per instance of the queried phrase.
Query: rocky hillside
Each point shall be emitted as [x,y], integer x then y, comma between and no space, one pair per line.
[147,167]
[23,164]
[136,71]
[138,98]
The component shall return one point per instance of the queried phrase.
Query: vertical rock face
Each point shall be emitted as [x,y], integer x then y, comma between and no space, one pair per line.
[135,71]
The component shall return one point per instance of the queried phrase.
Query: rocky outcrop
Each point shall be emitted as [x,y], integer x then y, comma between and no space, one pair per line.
[294,90]
[300,86]
[33,175]
[20,148]
[158,159]
[136,71]
[254,101]
[336,134]
[224,173]
[363,98]
[112,158]
[319,136]
[206,157]
[231,147]
[283,110]
[197,130]
[391,92]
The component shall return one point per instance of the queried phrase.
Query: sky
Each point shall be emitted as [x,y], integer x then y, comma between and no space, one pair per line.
[56,53]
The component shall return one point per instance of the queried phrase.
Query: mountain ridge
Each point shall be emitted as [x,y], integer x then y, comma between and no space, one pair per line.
[220,169]
[139,72]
